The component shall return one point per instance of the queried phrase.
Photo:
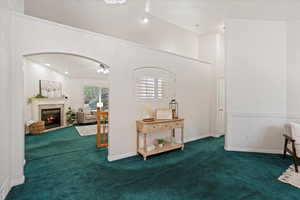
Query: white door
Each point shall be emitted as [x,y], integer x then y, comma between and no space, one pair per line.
[220,115]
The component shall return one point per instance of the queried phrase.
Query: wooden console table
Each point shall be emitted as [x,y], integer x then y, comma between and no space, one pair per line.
[145,128]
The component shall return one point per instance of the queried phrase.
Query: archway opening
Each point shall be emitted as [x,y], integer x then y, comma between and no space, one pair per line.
[62,94]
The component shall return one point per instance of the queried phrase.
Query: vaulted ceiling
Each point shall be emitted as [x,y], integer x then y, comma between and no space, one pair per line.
[76,66]
[205,16]
[200,16]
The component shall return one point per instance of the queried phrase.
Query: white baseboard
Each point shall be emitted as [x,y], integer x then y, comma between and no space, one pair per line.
[197,138]
[4,189]
[253,150]
[17,180]
[111,158]
[218,135]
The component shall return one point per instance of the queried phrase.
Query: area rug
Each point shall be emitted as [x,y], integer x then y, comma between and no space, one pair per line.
[87,130]
[290,177]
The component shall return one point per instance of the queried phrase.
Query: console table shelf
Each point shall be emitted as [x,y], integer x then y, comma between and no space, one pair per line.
[145,128]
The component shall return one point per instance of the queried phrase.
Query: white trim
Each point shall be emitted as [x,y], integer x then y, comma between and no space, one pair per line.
[197,138]
[17,14]
[219,135]
[4,189]
[111,158]
[257,115]
[264,115]
[253,150]
[219,132]
[293,116]
[17,180]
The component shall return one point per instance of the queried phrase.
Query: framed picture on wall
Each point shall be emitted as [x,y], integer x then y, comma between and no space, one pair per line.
[50,89]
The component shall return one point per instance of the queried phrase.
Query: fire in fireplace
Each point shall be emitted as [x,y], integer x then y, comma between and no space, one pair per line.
[51,117]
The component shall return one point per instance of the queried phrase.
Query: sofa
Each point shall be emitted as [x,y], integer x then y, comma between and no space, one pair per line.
[86,115]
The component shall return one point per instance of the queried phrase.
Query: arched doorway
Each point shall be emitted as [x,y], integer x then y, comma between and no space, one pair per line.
[62,90]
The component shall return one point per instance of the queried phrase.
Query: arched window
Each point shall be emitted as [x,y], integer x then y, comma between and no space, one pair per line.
[152,83]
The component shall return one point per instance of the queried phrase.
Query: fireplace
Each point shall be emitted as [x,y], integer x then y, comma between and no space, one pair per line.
[51,117]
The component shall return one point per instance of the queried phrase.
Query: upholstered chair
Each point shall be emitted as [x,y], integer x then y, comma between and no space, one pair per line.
[292,142]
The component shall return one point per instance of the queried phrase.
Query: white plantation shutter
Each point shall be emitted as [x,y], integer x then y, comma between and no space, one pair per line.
[145,88]
[150,88]
[153,84]
[161,88]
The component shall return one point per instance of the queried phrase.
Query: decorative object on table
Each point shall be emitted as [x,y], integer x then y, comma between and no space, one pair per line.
[71,116]
[87,130]
[37,127]
[100,105]
[173,105]
[150,147]
[38,96]
[148,120]
[164,114]
[160,142]
[50,89]
[290,176]
[147,113]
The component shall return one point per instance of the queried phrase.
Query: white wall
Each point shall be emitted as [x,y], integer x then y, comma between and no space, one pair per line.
[121,21]
[211,49]
[255,72]
[293,70]
[7,175]
[5,142]
[193,76]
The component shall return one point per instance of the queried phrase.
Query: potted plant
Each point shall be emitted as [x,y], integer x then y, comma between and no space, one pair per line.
[160,142]
[71,116]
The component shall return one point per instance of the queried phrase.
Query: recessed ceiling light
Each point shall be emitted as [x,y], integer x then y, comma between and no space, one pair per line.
[47,64]
[145,20]
[66,72]
[115,1]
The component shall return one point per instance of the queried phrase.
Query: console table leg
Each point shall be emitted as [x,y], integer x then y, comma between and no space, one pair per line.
[182,142]
[145,142]
[173,132]
[137,141]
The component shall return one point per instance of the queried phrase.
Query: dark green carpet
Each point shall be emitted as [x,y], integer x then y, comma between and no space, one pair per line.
[63,165]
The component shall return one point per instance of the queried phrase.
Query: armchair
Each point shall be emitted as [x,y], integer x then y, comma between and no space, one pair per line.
[292,142]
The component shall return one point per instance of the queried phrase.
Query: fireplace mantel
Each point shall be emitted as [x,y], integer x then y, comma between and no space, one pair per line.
[38,104]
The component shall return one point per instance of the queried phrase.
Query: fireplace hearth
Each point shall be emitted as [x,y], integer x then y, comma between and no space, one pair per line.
[51,117]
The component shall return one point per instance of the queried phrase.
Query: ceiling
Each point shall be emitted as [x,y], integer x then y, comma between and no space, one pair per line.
[200,16]
[203,16]
[76,66]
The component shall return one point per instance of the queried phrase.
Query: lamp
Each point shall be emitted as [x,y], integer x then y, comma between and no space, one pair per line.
[99,105]
[173,105]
